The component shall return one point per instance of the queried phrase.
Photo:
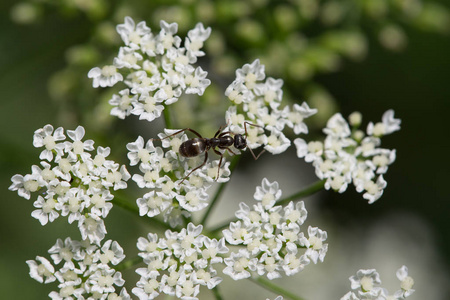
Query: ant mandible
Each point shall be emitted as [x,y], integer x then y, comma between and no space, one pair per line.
[222,140]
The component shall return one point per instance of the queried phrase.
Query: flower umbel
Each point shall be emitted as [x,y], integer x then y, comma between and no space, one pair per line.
[348,155]
[85,270]
[272,237]
[258,102]
[156,68]
[178,264]
[73,182]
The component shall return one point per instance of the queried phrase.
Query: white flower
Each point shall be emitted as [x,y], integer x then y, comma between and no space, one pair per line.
[196,38]
[104,77]
[123,104]
[153,203]
[317,249]
[92,227]
[102,281]
[366,285]
[268,193]
[46,137]
[128,58]
[197,83]
[47,209]
[25,185]
[131,34]
[387,125]
[42,271]
[77,147]
[294,118]
[239,264]
[406,283]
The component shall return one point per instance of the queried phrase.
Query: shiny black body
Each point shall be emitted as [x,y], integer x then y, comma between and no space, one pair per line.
[221,140]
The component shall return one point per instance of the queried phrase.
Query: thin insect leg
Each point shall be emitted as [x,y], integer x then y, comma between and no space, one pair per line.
[254,125]
[256,157]
[220,162]
[204,162]
[224,133]
[218,131]
[251,151]
[229,150]
[180,131]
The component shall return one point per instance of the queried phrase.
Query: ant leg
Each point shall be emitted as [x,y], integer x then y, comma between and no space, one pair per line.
[218,131]
[220,163]
[256,157]
[204,162]
[229,150]
[255,125]
[180,131]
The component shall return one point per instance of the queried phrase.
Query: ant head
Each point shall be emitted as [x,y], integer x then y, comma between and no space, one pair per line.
[240,142]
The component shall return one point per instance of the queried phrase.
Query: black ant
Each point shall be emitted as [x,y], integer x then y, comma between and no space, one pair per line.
[222,140]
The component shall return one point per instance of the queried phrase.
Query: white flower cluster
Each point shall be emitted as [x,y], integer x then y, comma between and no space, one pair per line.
[163,171]
[366,286]
[86,271]
[71,181]
[349,155]
[257,102]
[273,237]
[178,264]
[157,69]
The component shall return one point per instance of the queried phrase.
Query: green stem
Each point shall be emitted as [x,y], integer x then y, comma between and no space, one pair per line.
[219,191]
[216,293]
[269,285]
[119,201]
[167,118]
[127,264]
[310,190]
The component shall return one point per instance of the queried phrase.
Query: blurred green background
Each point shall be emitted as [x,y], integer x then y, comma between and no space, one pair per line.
[413,80]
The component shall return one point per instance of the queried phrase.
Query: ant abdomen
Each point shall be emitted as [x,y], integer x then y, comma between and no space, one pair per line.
[192,147]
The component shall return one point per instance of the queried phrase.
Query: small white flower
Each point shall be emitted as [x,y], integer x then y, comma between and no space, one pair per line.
[105,77]
[131,34]
[367,282]
[123,103]
[78,147]
[41,270]
[153,203]
[92,227]
[46,137]
[317,248]
[239,264]
[48,208]
[196,38]
[406,283]
[127,58]
[268,193]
